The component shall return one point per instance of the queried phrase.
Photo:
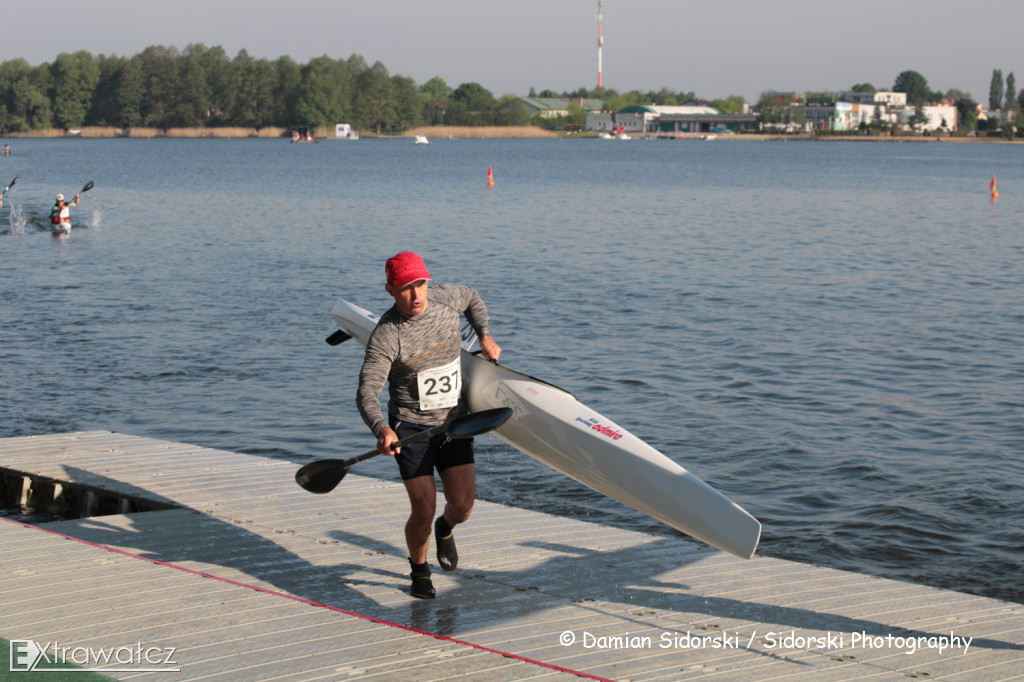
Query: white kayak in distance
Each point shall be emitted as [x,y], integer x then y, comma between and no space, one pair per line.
[552,426]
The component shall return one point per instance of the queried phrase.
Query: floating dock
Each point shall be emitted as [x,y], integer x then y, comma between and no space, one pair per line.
[217,565]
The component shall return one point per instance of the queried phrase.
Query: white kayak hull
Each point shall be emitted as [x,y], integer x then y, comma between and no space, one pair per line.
[555,428]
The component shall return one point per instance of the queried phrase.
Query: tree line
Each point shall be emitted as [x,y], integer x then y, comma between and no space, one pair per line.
[200,86]
[163,87]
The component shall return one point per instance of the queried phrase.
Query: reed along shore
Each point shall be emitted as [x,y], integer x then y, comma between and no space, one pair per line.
[481,132]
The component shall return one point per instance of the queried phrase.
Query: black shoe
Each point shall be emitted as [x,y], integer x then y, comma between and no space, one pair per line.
[422,586]
[447,556]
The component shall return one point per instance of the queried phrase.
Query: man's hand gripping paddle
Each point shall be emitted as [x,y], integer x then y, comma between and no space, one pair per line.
[324,475]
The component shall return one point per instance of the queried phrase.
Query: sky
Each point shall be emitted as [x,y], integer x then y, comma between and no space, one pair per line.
[714,49]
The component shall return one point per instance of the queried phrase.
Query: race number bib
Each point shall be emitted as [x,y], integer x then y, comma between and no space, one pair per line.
[440,386]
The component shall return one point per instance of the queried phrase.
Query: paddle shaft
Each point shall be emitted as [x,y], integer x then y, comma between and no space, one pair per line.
[88,186]
[404,441]
[322,476]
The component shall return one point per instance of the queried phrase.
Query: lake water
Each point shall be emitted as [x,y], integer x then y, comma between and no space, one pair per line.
[828,333]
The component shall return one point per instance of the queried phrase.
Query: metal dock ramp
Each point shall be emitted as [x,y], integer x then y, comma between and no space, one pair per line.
[247,577]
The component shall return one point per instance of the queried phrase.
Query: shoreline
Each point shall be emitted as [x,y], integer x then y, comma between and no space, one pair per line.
[482,132]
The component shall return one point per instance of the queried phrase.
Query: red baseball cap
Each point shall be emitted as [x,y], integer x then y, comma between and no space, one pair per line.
[405,268]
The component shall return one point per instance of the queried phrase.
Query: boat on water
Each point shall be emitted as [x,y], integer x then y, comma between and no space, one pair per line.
[343,131]
[421,139]
[302,134]
[555,428]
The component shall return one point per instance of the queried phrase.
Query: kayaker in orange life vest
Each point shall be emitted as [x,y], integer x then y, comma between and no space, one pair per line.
[60,214]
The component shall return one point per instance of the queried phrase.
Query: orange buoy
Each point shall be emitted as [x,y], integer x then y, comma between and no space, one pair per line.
[490,177]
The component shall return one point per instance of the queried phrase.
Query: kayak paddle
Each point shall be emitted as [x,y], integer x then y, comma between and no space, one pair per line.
[324,475]
[88,186]
[9,186]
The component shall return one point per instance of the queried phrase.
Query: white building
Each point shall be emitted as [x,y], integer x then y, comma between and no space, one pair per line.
[891,107]
[643,118]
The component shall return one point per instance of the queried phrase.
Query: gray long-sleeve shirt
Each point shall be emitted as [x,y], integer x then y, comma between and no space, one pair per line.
[400,347]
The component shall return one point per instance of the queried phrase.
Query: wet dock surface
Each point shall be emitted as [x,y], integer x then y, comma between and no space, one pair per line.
[221,557]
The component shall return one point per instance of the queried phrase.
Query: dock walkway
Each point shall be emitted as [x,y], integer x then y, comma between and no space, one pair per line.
[245,576]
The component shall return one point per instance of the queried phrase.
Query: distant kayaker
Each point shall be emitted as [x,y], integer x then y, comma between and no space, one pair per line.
[7,150]
[415,349]
[60,214]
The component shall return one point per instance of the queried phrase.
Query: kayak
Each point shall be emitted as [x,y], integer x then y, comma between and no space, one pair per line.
[555,428]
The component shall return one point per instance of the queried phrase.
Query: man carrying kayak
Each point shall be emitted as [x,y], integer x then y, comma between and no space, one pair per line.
[415,349]
[60,214]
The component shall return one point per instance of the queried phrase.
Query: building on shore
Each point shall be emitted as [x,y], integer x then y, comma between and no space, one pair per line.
[551,107]
[669,121]
[854,111]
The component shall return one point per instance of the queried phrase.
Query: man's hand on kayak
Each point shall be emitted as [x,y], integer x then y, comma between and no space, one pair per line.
[490,349]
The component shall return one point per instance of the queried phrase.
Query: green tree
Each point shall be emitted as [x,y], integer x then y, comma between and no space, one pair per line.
[103,109]
[471,104]
[664,97]
[577,114]
[733,104]
[509,111]
[1011,90]
[356,65]
[915,85]
[23,96]
[159,76]
[474,95]
[774,108]
[253,103]
[918,118]
[435,96]
[1014,120]
[74,80]
[374,100]
[223,83]
[966,110]
[877,121]
[326,93]
[613,101]
[190,106]
[995,90]
[129,92]
[286,92]
[408,108]
[863,87]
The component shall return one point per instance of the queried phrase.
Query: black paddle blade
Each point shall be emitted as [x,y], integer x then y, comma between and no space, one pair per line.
[337,337]
[88,186]
[322,476]
[478,422]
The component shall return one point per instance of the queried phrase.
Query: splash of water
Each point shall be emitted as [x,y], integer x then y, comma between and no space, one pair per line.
[17,219]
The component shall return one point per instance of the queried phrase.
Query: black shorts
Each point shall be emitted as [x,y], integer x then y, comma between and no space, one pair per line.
[437,452]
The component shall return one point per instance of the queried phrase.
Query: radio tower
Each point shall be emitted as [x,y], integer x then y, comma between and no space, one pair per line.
[600,42]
